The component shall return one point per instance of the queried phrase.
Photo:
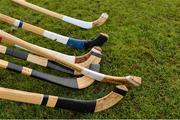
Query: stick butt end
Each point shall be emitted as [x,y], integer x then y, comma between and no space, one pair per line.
[136,81]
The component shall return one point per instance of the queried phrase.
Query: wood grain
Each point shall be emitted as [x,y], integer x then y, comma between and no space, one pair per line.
[20,96]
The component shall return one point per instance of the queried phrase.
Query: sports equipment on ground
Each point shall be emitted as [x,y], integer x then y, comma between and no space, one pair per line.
[76,83]
[75,43]
[94,59]
[84,60]
[133,80]
[83,24]
[86,106]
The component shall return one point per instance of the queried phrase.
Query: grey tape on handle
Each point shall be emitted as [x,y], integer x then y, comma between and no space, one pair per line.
[68,82]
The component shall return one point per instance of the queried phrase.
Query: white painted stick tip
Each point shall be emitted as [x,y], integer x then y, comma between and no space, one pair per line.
[104,34]
[136,81]
[105,16]
[101,20]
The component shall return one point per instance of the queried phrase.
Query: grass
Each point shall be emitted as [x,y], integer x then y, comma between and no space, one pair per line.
[144,41]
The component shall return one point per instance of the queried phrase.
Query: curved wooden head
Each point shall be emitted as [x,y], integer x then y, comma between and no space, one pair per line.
[111,99]
[128,80]
[102,19]
[94,51]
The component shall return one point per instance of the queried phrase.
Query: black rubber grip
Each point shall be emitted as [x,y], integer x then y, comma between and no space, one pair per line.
[20,24]
[96,54]
[16,53]
[45,100]
[77,105]
[120,91]
[99,41]
[68,82]
[14,67]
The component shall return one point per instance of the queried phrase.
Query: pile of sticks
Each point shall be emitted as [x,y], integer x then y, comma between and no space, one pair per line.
[85,68]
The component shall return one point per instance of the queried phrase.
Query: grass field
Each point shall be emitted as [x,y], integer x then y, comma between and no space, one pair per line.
[144,41]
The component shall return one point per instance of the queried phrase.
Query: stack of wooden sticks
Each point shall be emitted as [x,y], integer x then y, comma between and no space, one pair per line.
[88,65]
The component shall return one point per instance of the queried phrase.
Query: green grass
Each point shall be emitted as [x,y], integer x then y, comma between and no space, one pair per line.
[144,41]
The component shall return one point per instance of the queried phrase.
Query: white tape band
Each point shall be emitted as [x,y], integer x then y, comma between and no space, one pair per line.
[65,57]
[96,51]
[95,75]
[56,37]
[16,23]
[77,22]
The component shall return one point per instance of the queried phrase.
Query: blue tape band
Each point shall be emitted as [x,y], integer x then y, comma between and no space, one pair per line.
[75,43]
[20,24]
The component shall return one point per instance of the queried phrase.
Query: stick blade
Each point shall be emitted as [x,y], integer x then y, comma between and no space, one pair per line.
[101,20]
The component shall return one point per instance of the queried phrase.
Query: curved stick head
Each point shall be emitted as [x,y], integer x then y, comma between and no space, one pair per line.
[84,82]
[101,20]
[98,41]
[134,80]
[111,99]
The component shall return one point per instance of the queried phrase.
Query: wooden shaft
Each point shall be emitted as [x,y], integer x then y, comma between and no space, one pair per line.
[39,9]
[33,28]
[20,96]
[25,26]
[84,71]
[7,19]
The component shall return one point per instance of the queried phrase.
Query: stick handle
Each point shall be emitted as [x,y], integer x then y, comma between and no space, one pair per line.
[24,25]
[39,9]
[7,19]
[20,96]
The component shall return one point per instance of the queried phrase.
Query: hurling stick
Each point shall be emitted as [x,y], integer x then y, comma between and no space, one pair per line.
[42,61]
[85,106]
[136,81]
[83,24]
[76,83]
